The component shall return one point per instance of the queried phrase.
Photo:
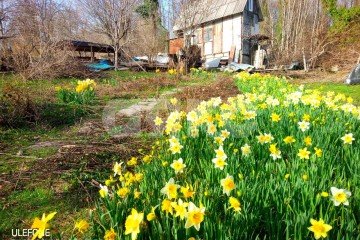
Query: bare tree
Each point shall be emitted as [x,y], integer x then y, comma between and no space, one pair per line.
[113,18]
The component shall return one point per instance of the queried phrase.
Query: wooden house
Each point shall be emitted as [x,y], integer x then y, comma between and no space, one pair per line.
[226,28]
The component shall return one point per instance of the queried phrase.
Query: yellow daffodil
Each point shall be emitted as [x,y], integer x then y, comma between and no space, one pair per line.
[123,192]
[110,234]
[180,208]
[170,189]
[340,196]
[41,225]
[117,168]
[178,165]
[173,101]
[228,184]
[151,216]
[104,191]
[235,204]
[348,138]
[304,153]
[289,140]
[187,191]
[318,152]
[195,216]
[158,121]
[324,194]
[319,228]
[265,138]
[275,153]
[82,226]
[308,141]
[245,150]
[166,206]
[132,223]
[275,117]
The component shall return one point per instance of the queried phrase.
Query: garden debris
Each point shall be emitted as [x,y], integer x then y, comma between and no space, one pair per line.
[237,67]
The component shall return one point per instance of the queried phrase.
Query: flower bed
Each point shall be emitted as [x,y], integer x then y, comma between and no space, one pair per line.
[278,162]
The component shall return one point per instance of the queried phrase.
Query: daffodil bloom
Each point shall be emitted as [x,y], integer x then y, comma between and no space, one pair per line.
[132,161]
[195,216]
[324,194]
[187,192]
[117,168]
[304,153]
[225,133]
[82,226]
[173,101]
[318,152]
[166,206]
[123,192]
[265,138]
[306,117]
[308,141]
[228,184]
[219,163]
[110,234]
[151,216]
[319,228]
[348,138]
[275,153]
[132,223]
[304,125]
[340,196]
[289,140]
[305,177]
[178,166]
[275,117]
[211,129]
[170,189]
[158,121]
[41,225]
[220,153]
[245,150]
[176,148]
[104,191]
[235,204]
[180,208]
[137,194]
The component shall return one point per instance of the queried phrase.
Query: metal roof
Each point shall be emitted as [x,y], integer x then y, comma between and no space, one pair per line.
[218,9]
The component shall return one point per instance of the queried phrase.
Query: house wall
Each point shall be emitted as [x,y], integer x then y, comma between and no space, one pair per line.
[225,35]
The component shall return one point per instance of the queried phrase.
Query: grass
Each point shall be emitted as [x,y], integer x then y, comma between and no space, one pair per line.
[45,182]
[349,90]
[40,193]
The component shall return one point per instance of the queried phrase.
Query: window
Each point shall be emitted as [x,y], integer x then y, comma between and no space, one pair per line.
[208,34]
[251,5]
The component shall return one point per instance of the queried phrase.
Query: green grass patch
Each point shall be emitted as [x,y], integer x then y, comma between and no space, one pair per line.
[349,90]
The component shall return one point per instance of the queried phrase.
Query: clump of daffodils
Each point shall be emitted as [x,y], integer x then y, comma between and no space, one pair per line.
[258,157]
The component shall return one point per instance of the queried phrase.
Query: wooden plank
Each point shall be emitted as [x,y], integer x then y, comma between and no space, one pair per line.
[232,54]
[218,37]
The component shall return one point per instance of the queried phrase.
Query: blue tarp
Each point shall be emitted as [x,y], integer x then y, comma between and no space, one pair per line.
[101,65]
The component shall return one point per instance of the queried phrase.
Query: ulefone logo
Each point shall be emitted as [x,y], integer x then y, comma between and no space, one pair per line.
[26,233]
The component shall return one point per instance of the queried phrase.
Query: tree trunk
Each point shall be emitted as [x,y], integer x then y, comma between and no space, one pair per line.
[116,53]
